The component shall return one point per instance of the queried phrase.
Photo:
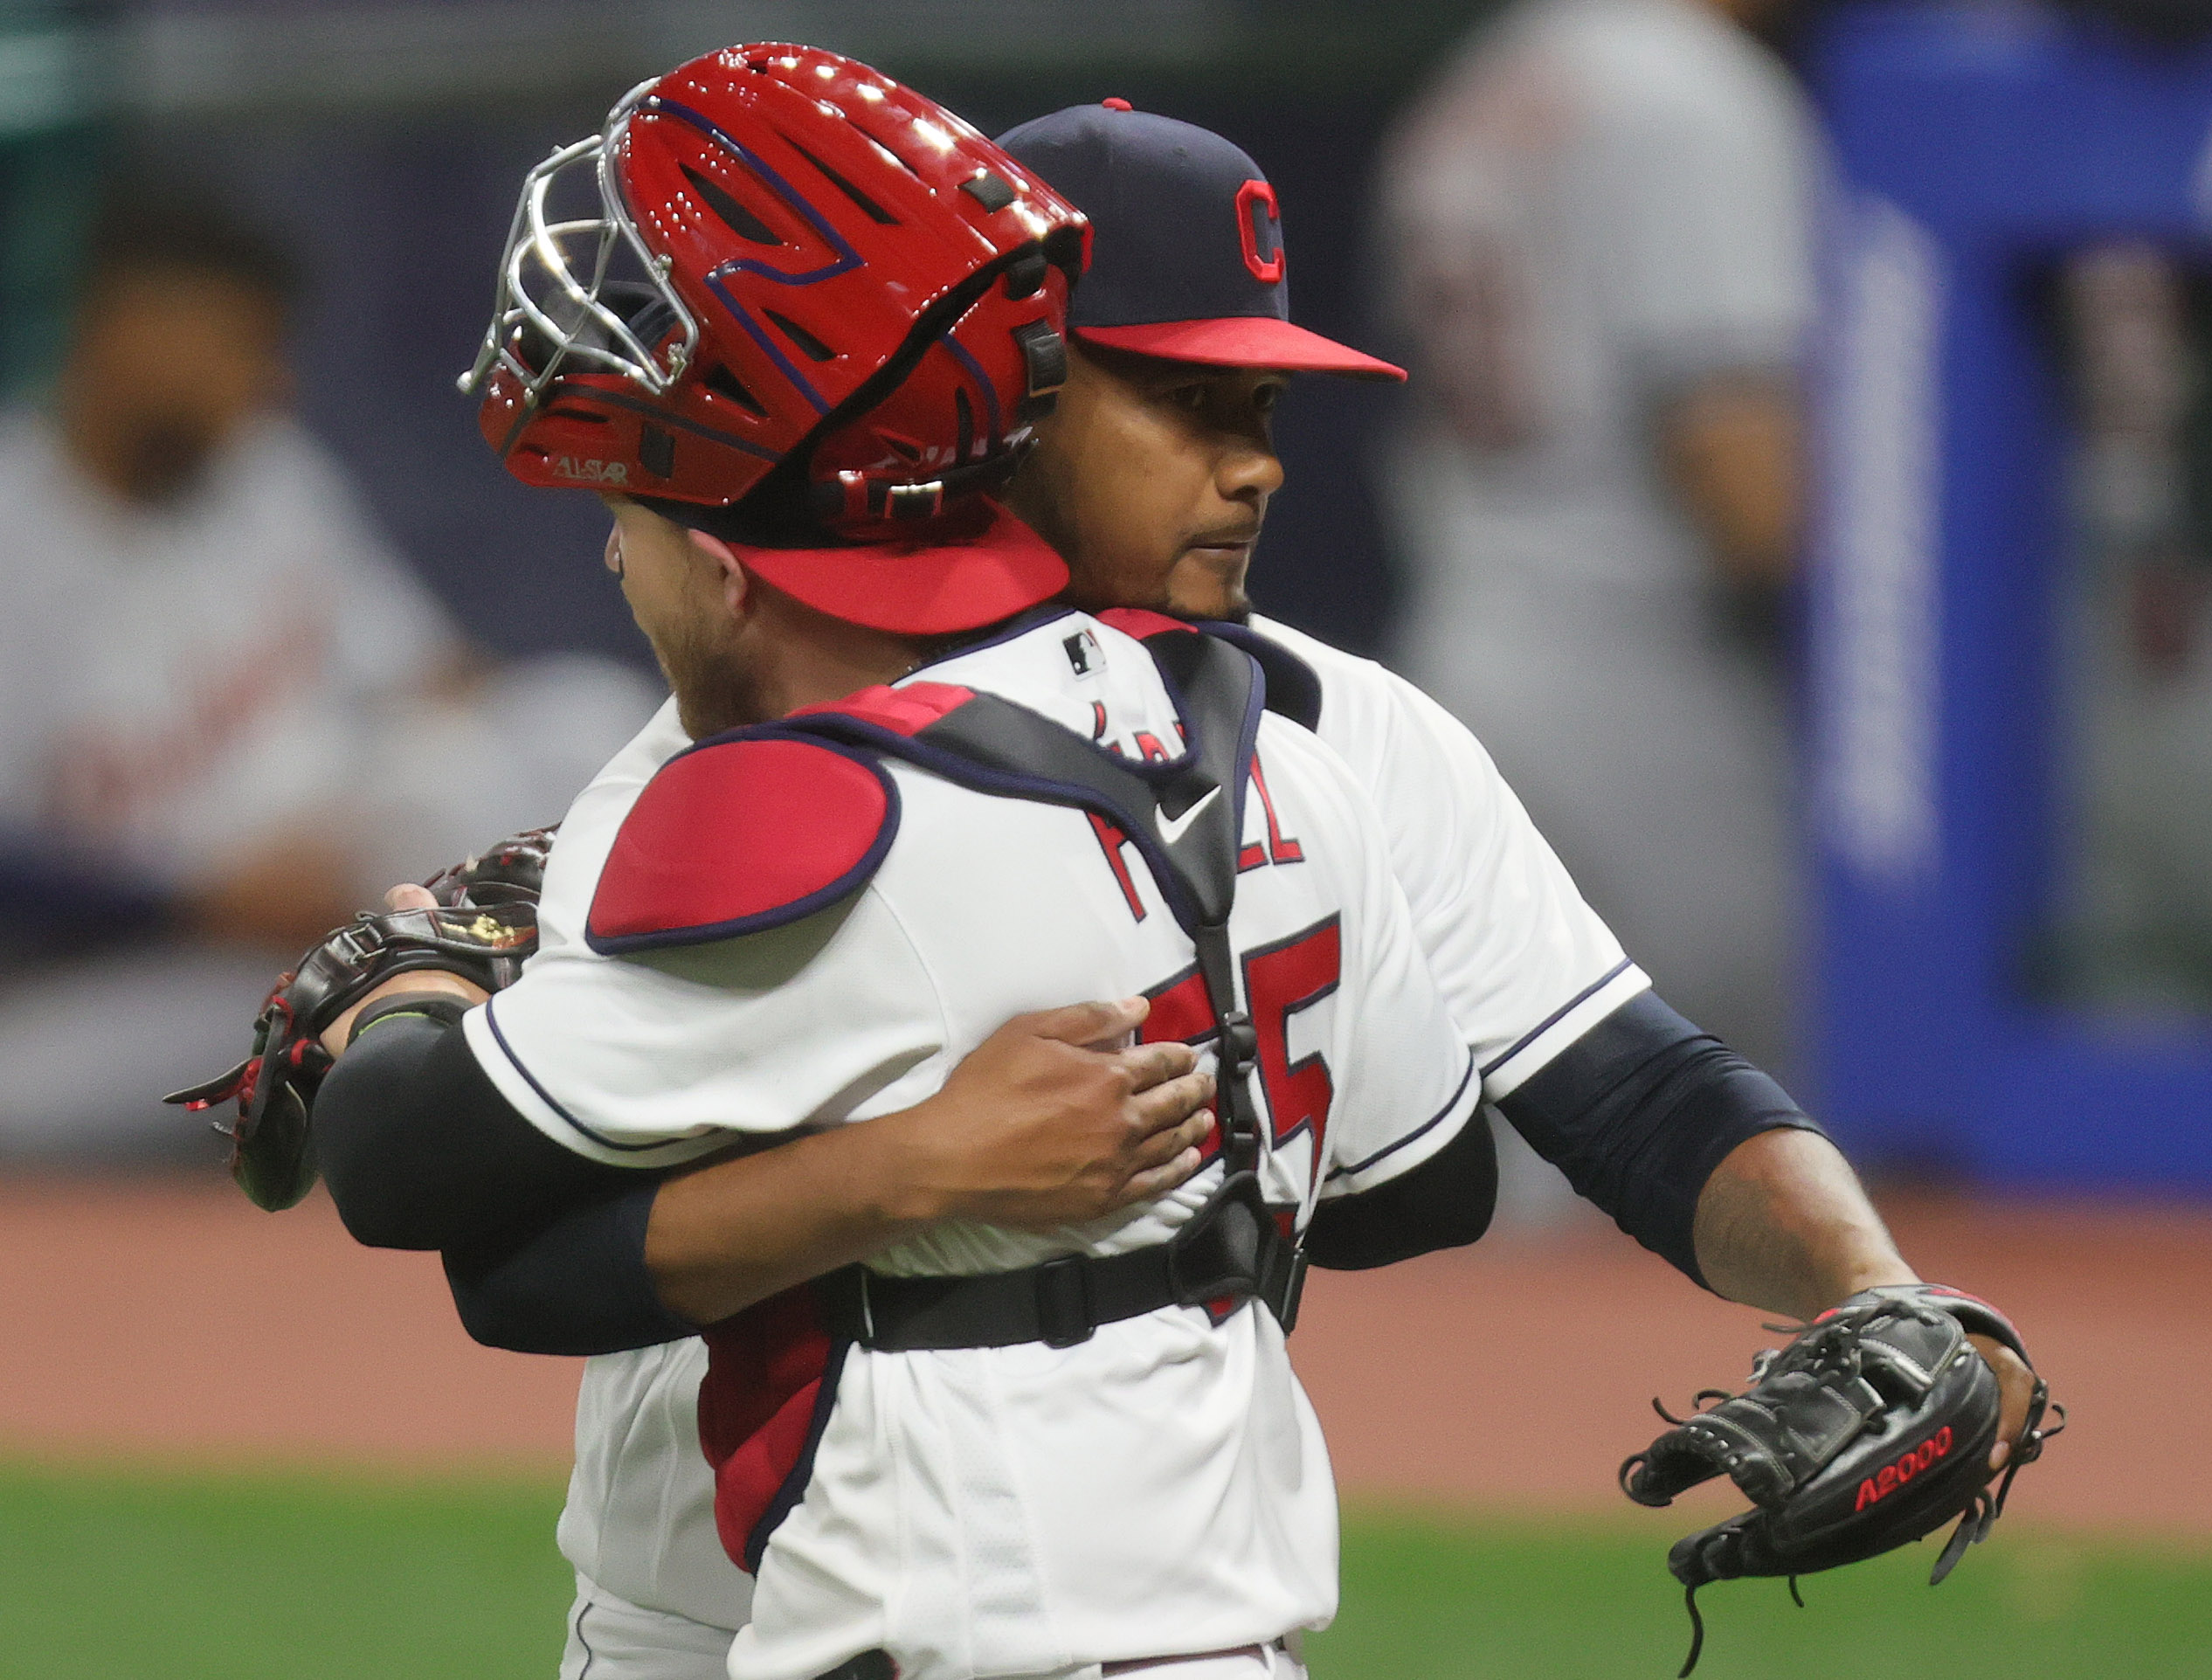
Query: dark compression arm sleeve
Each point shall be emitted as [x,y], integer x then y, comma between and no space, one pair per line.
[545,1250]
[577,1285]
[1445,1202]
[1639,1110]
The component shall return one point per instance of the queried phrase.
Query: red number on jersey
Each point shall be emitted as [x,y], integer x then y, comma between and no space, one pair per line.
[1110,841]
[1180,1013]
[1278,849]
[1279,980]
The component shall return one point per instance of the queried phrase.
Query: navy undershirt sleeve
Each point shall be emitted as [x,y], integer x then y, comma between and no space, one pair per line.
[1445,1202]
[1639,1111]
[577,1285]
[544,1249]
[421,1150]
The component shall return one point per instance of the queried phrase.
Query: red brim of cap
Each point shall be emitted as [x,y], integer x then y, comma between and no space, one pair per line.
[1242,342]
[931,587]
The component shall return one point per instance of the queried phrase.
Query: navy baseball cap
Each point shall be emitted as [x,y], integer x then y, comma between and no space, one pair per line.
[1186,257]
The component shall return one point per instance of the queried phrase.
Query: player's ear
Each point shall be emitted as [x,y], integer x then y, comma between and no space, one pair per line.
[735,583]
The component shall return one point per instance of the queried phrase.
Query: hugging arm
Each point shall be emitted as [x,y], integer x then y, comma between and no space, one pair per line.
[548,1252]
[1642,1113]
[1706,1161]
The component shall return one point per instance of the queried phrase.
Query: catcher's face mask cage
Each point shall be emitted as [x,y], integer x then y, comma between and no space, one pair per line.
[554,304]
[775,253]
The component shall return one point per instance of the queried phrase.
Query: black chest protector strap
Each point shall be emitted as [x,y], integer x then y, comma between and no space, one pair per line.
[1184,815]
[1185,818]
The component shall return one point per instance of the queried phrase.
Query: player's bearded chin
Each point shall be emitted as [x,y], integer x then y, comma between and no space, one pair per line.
[715,689]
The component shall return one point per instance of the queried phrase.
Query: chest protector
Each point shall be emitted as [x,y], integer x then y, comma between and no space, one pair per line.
[1185,818]
[772,1374]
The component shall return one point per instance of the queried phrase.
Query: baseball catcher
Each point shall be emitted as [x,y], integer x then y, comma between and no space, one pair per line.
[483,927]
[1871,1429]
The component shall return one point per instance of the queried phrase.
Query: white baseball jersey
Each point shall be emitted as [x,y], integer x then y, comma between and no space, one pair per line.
[181,679]
[182,683]
[1524,966]
[1162,1486]
[181,686]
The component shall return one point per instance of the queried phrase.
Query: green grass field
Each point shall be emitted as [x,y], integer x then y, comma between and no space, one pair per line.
[106,1575]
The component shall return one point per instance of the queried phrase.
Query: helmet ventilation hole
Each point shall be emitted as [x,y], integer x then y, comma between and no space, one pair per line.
[735,216]
[723,384]
[813,347]
[867,207]
[890,156]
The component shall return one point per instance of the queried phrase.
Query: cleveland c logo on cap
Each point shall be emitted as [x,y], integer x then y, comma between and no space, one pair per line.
[1267,269]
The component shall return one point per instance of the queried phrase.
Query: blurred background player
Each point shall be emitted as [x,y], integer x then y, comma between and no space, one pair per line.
[166,786]
[1596,224]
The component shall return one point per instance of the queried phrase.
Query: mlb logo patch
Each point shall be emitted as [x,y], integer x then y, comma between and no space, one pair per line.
[1083,652]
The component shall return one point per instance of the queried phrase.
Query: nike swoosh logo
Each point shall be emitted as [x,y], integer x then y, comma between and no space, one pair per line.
[1173,829]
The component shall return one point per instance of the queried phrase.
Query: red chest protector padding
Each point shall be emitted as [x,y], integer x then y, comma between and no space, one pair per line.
[756,828]
[739,835]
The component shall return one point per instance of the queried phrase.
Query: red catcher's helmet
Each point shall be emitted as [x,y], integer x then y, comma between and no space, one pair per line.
[780,279]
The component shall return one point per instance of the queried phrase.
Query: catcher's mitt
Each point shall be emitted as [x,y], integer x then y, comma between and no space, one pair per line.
[484,926]
[1871,1429]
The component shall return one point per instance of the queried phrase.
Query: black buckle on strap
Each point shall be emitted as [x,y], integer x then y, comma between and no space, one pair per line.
[1240,1041]
[1063,1301]
[1231,1249]
[1218,1250]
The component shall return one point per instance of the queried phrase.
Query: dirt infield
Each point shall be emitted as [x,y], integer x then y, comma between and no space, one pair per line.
[174,1321]
[1520,1372]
